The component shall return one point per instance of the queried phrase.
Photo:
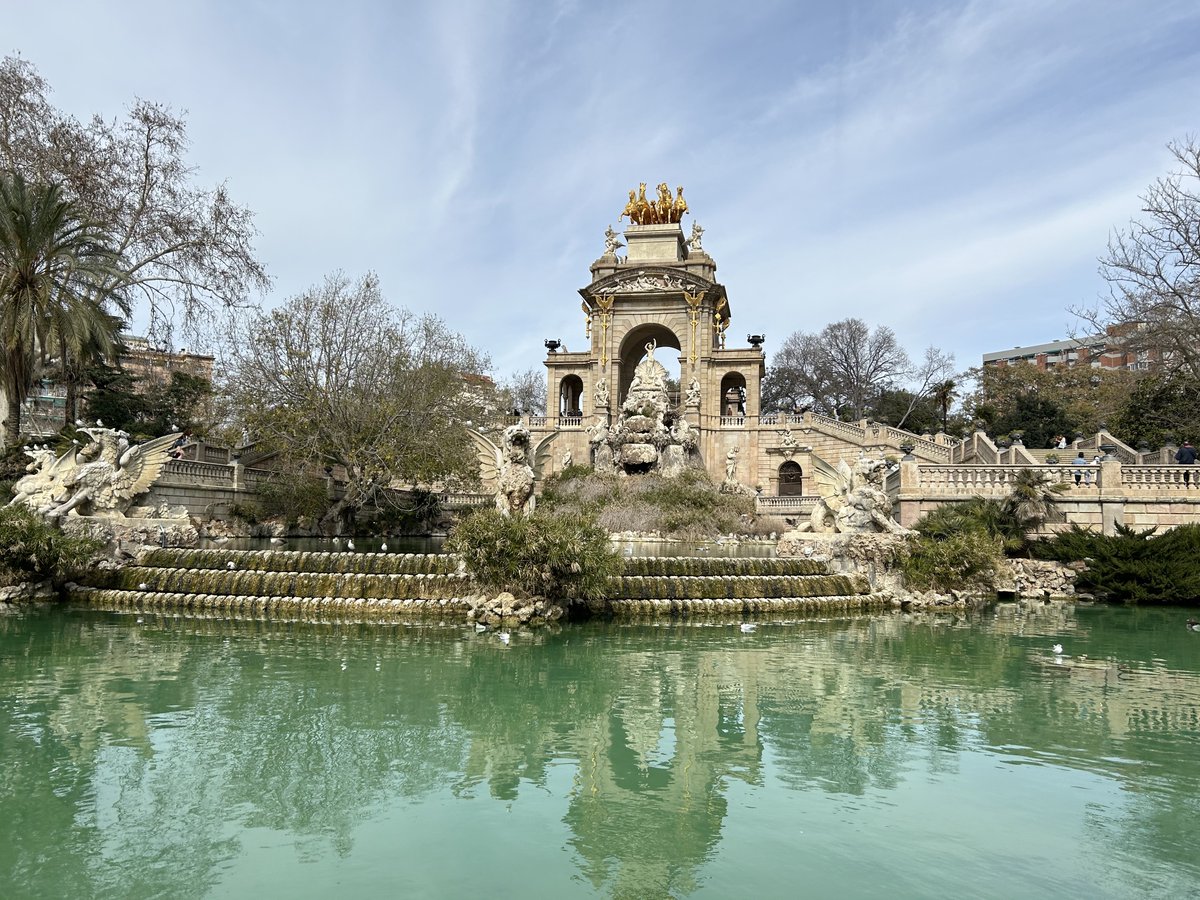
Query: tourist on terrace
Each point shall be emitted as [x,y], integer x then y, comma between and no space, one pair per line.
[1083,474]
[1186,456]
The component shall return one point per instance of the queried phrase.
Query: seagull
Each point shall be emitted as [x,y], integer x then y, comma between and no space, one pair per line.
[504,637]
[221,540]
[1193,625]
[1057,648]
[143,586]
[99,424]
[748,627]
[140,620]
[278,540]
[479,626]
[350,544]
[383,547]
[230,565]
[343,665]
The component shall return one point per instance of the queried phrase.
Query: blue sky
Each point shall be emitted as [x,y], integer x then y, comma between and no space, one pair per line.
[951,170]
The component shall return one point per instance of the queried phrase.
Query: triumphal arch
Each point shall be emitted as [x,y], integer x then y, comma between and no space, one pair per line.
[615,406]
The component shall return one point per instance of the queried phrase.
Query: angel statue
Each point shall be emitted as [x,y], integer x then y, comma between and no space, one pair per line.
[611,242]
[511,468]
[106,485]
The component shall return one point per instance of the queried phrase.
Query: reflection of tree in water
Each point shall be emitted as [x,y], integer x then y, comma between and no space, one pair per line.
[167,731]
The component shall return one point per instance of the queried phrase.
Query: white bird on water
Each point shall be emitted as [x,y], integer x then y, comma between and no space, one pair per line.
[1057,648]
[748,627]
[350,545]
[504,637]
[479,626]
[383,547]
[278,540]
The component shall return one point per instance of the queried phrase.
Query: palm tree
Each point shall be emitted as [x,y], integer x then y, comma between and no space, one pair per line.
[57,272]
[1032,498]
[943,395]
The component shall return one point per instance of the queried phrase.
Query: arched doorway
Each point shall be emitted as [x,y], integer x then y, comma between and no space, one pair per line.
[633,351]
[733,395]
[570,396]
[791,480]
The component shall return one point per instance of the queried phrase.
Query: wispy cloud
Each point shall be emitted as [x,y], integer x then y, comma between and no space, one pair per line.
[951,169]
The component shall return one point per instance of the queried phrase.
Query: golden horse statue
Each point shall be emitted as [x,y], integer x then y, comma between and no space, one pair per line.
[679,207]
[660,211]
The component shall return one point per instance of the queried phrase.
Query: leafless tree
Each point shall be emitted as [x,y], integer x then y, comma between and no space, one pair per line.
[1153,270]
[525,390]
[186,252]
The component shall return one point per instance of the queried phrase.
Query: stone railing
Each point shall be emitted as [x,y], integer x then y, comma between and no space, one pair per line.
[570,421]
[733,421]
[189,471]
[1161,478]
[829,425]
[538,421]
[781,419]
[465,501]
[784,505]
[962,481]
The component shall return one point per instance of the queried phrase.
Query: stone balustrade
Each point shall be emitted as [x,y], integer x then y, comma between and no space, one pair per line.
[192,472]
[779,506]
[1100,495]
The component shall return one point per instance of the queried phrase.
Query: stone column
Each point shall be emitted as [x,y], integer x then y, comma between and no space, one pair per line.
[910,491]
[1112,495]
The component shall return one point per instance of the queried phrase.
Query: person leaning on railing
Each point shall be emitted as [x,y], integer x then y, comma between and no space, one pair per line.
[1186,456]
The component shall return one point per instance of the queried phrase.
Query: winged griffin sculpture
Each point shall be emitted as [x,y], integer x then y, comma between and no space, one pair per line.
[852,499]
[100,478]
[514,466]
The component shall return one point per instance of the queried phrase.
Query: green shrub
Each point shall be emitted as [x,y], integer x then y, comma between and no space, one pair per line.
[1132,566]
[407,512]
[539,555]
[689,506]
[965,560]
[293,498]
[32,549]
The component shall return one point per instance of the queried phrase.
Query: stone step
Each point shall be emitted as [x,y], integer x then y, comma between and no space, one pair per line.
[258,582]
[726,608]
[738,587]
[675,566]
[303,561]
[341,608]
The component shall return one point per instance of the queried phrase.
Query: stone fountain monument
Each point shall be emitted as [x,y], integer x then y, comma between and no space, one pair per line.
[648,436]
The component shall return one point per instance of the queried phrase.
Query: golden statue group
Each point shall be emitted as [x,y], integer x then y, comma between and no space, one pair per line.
[662,211]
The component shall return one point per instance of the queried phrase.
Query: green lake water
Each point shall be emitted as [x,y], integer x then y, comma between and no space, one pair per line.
[888,756]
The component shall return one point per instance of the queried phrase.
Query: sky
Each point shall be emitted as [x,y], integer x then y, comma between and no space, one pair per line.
[952,170]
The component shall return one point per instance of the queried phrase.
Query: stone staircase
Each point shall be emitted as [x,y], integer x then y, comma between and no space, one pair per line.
[407,586]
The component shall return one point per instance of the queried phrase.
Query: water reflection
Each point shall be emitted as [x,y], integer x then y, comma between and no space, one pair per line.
[174,755]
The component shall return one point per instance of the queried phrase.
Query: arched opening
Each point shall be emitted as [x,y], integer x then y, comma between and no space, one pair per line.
[570,396]
[791,479]
[633,351]
[733,395]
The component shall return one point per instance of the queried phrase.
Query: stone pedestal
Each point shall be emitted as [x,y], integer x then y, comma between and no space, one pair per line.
[655,244]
